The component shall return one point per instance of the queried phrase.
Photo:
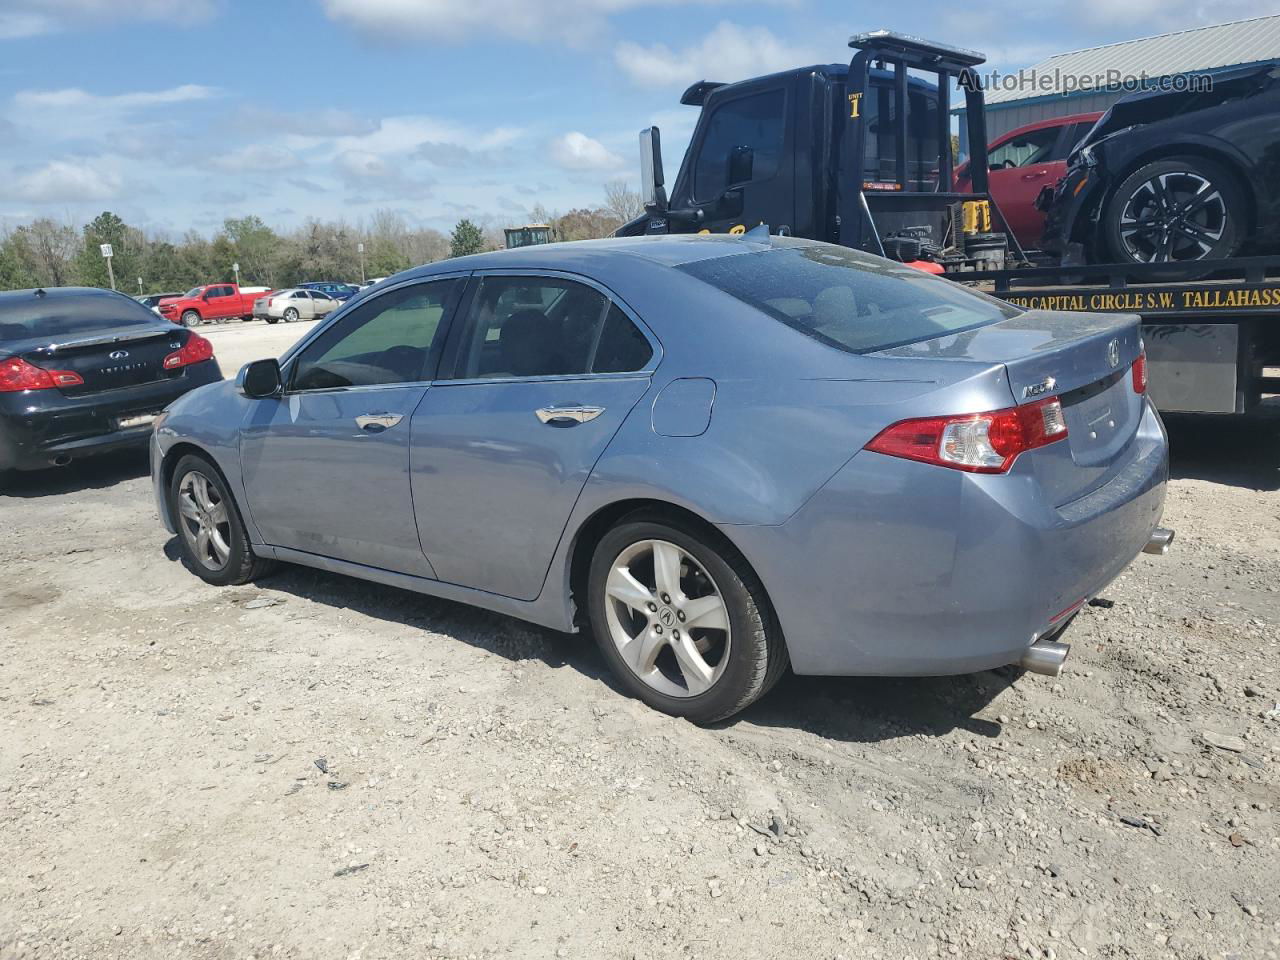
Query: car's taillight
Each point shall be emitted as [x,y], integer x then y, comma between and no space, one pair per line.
[976,442]
[1140,372]
[196,349]
[17,375]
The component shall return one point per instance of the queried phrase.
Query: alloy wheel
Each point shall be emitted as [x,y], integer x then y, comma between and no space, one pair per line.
[667,618]
[205,522]
[1172,217]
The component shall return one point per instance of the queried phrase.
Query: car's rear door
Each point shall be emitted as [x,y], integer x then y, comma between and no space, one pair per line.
[326,464]
[534,384]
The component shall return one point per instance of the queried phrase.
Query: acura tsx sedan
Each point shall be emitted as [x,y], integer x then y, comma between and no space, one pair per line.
[719,454]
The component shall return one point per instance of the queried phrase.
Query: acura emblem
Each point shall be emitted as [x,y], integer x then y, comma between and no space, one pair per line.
[118,354]
[1038,389]
[1113,353]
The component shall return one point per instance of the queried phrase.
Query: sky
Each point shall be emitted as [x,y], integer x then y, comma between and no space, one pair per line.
[177,114]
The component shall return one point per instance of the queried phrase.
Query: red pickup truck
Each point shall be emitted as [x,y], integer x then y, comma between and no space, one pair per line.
[211,303]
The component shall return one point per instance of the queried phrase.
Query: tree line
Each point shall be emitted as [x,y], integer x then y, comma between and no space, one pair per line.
[46,253]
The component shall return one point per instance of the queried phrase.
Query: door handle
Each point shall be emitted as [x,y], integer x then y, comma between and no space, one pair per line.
[1035,174]
[381,421]
[567,415]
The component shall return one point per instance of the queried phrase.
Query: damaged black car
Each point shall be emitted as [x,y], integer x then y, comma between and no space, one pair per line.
[1173,176]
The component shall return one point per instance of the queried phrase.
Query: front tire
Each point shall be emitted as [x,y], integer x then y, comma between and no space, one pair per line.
[211,532]
[190,318]
[1176,211]
[682,620]
[272,319]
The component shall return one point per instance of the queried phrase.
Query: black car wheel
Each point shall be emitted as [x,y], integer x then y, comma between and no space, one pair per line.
[682,620]
[1175,211]
[211,531]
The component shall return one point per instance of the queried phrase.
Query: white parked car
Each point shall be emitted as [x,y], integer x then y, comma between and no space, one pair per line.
[294,303]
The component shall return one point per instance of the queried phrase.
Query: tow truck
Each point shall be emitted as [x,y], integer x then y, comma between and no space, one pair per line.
[859,154]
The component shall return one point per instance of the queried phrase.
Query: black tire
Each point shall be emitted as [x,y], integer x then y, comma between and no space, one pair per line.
[241,564]
[190,318]
[757,655]
[273,319]
[1157,196]
[291,314]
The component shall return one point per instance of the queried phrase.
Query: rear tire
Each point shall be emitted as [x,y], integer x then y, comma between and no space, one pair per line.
[1178,210]
[211,534]
[703,673]
[291,314]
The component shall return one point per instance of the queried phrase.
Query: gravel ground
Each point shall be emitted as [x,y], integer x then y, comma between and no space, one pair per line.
[318,767]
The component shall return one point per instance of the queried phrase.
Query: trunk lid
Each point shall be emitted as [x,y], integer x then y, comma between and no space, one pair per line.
[109,360]
[1084,359]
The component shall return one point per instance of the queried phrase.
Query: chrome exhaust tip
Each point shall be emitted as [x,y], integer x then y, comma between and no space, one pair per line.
[61,460]
[1159,542]
[1045,657]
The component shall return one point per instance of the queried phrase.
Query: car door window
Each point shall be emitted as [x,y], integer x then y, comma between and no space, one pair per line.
[546,327]
[756,123]
[390,339]
[1033,147]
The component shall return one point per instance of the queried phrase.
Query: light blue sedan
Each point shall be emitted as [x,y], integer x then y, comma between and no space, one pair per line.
[719,454]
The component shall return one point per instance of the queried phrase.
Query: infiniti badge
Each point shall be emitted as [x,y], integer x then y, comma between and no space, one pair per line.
[1113,353]
[118,354]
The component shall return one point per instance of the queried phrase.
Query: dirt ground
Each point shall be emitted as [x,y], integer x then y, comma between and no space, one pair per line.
[318,767]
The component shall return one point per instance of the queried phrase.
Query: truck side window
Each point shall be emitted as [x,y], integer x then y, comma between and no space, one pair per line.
[758,122]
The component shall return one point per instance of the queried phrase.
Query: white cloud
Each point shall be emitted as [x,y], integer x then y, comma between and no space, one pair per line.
[577,151]
[566,20]
[729,52]
[74,98]
[257,157]
[29,18]
[62,181]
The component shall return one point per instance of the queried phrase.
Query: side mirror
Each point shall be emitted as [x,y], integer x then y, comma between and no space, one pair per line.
[729,207]
[259,379]
[653,188]
[741,164]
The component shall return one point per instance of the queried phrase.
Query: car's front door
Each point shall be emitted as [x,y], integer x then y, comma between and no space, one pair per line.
[326,464]
[1017,170]
[534,384]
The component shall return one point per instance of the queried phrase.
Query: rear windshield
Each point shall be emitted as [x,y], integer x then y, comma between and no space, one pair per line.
[847,299]
[58,316]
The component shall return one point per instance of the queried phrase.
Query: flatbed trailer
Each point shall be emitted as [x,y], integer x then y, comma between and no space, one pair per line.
[1213,344]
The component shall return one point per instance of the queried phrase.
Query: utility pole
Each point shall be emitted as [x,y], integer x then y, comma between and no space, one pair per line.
[107,254]
[360,250]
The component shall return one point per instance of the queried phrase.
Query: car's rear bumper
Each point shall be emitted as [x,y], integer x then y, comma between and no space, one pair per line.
[897,567]
[41,428]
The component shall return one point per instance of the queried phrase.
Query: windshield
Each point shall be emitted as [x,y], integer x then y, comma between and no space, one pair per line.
[847,299]
[58,316]
[192,293]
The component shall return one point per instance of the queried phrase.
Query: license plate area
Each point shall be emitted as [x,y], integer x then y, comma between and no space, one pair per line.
[136,420]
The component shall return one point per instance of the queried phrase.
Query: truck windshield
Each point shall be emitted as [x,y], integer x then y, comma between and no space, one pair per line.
[848,299]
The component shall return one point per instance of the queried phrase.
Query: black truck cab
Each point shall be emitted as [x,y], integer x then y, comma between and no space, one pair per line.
[857,154]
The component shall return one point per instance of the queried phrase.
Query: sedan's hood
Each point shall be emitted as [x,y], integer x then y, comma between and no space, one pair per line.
[1140,109]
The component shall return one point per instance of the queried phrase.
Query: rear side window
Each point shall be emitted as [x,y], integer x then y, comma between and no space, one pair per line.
[526,326]
[57,315]
[847,299]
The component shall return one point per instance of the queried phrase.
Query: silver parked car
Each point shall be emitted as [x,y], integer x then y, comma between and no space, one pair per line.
[723,454]
[294,303]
